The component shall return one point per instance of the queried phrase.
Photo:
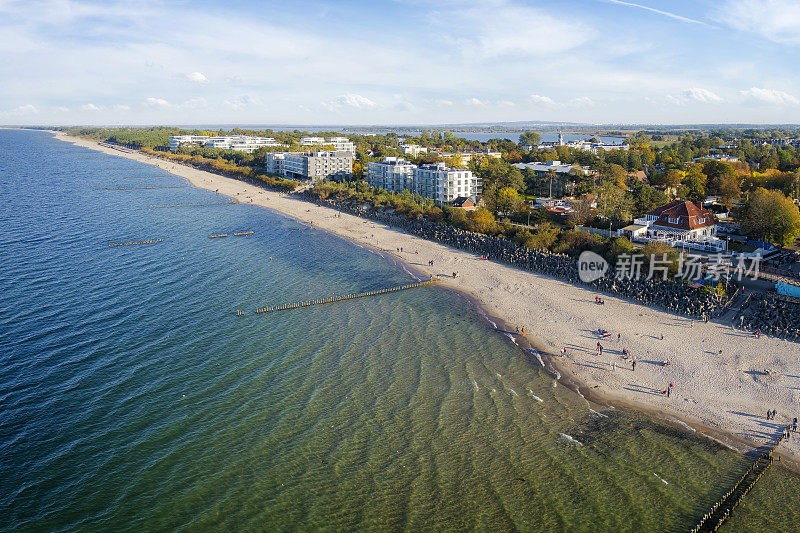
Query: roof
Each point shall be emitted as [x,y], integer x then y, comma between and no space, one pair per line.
[462,201]
[633,227]
[682,215]
[639,175]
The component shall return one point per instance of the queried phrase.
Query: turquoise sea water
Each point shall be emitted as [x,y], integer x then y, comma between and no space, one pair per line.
[132,398]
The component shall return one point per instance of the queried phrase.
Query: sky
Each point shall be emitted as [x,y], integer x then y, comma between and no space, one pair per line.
[399,62]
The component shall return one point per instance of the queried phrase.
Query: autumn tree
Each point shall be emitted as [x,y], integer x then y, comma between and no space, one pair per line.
[770,216]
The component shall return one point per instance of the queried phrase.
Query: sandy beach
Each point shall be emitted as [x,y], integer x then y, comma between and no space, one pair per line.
[725,397]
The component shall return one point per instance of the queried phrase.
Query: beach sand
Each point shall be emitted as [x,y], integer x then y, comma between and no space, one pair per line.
[724,397]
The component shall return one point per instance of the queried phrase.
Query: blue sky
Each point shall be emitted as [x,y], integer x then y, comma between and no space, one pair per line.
[399,62]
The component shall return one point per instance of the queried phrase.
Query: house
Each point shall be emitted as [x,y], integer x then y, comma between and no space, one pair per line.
[678,223]
[464,201]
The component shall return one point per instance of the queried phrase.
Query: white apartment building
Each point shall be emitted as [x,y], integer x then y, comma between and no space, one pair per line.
[240,143]
[392,174]
[434,181]
[176,140]
[444,184]
[273,163]
[340,144]
[414,150]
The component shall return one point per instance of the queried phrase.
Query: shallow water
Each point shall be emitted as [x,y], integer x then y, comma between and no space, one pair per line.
[133,398]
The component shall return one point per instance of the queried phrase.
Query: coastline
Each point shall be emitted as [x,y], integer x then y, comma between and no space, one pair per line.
[723,398]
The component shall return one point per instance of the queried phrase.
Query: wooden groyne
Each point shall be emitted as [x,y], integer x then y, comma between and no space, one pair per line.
[140,188]
[193,205]
[333,299]
[131,243]
[240,234]
[721,510]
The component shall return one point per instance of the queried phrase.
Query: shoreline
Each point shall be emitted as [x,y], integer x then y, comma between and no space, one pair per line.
[559,311]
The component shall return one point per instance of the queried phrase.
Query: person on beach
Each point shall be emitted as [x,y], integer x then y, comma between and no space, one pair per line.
[662,336]
[619,337]
[668,392]
[633,365]
[769,412]
[794,424]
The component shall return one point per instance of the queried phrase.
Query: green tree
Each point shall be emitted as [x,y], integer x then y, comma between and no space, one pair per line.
[508,201]
[770,216]
[545,236]
[529,138]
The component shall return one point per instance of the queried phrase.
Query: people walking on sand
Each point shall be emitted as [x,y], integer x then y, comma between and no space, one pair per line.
[633,365]
[794,424]
[619,337]
[769,413]
[668,391]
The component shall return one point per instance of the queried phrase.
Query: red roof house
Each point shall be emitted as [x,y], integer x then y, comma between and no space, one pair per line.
[681,219]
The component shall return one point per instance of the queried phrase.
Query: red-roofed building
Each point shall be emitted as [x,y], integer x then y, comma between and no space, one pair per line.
[680,223]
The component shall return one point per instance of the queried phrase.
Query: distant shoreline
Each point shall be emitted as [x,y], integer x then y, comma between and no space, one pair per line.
[715,397]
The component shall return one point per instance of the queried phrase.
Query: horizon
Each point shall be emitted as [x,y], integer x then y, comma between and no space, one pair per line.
[80,62]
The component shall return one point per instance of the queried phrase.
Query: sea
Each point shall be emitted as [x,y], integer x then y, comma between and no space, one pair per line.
[140,391]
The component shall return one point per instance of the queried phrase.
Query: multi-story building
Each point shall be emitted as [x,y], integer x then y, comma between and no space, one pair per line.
[176,140]
[414,150]
[240,143]
[435,181]
[392,174]
[340,144]
[273,163]
[317,166]
[444,184]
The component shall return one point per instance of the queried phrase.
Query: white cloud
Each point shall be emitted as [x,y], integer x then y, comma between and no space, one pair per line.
[241,102]
[62,108]
[581,101]
[539,99]
[475,101]
[506,103]
[194,103]
[196,77]
[27,109]
[656,11]
[695,94]
[353,101]
[446,103]
[502,28]
[770,96]
[122,107]
[775,20]
[91,107]
[156,102]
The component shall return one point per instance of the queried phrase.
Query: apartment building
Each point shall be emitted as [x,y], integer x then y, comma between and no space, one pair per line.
[436,181]
[340,144]
[392,174]
[414,150]
[444,184]
[273,163]
[176,140]
[317,166]
[240,143]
